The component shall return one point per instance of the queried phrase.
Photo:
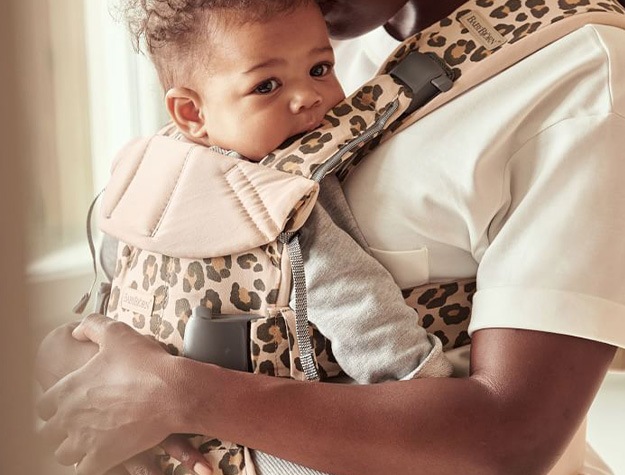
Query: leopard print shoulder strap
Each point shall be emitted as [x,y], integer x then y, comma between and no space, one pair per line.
[484,37]
[477,41]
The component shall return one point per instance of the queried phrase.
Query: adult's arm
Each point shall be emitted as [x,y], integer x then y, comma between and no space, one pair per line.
[527,394]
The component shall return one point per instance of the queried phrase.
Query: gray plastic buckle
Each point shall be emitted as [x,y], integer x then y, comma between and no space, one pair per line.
[223,340]
[425,75]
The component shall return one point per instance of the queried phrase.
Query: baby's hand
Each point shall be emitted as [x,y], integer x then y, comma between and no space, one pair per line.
[176,446]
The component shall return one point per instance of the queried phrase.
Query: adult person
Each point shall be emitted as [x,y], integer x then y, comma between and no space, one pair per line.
[519,185]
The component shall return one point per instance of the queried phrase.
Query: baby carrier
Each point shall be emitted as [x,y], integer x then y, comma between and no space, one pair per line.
[220,233]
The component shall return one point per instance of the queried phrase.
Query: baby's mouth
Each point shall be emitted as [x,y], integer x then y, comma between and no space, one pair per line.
[313,125]
[305,129]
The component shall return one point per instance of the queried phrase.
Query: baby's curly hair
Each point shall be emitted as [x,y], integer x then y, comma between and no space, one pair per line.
[168,30]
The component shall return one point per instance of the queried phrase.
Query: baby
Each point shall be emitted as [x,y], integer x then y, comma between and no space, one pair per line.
[241,78]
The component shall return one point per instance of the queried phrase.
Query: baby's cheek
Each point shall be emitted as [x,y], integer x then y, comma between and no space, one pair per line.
[273,137]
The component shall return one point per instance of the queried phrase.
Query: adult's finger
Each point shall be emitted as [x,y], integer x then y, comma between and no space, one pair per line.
[50,346]
[59,354]
[68,453]
[181,449]
[94,327]
[48,403]
[93,464]
[51,435]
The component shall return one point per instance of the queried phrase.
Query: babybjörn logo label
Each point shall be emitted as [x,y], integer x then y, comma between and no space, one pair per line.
[481,29]
[137,301]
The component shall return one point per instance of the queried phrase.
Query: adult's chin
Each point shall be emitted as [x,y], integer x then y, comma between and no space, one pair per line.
[342,25]
[348,19]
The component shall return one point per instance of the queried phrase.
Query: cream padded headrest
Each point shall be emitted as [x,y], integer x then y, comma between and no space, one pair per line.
[184,200]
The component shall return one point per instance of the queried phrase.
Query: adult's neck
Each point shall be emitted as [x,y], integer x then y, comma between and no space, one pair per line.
[417,15]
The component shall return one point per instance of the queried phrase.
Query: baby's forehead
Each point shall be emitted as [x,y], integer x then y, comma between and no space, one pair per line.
[237,43]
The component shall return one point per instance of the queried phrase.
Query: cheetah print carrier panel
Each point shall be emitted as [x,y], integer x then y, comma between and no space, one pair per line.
[197,228]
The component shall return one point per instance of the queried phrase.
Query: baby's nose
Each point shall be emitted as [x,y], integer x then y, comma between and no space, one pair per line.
[305,98]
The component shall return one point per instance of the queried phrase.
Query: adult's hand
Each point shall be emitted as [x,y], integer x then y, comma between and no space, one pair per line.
[59,354]
[119,404]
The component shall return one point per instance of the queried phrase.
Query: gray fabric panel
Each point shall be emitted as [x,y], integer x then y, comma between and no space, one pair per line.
[355,303]
[269,465]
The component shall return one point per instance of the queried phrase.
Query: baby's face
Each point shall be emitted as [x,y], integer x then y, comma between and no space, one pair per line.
[268,82]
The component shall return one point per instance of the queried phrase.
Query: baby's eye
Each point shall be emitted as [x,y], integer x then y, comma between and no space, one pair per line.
[319,70]
[267,86]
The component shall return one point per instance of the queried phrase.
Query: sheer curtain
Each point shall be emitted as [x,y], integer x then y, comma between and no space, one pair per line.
[89,93]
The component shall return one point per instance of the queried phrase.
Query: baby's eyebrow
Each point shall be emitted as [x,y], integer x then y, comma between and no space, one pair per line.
[265,64]
[322,49]
[276,61]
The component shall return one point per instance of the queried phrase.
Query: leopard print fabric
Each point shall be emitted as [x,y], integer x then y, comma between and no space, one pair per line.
[444,310]
[275,351]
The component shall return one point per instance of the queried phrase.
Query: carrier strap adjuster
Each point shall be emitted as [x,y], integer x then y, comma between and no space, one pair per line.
[425,74]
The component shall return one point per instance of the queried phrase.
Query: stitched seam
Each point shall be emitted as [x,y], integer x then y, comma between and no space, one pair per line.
[132,177]
[550,126]
[173,191]
[609,69]
[257,195]
[234,169]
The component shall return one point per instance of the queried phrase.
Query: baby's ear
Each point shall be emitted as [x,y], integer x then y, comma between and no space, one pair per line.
[185,108]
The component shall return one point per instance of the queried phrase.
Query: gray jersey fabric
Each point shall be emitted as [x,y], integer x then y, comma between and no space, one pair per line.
[266,464]
[355,302]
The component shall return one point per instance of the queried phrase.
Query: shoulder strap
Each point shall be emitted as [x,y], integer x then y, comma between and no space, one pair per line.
[484,37]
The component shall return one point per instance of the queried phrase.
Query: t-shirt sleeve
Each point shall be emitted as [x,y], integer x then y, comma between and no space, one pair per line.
[556,255]
[355,303]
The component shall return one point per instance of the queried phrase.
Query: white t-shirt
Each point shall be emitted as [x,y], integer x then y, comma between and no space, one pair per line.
[520,181]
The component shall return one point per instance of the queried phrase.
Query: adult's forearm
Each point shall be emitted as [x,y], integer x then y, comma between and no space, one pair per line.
[430,424]
[528,394]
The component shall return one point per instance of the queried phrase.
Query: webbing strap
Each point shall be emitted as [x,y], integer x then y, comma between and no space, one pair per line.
[307,359]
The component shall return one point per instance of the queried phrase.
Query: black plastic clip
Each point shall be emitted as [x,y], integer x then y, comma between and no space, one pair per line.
[425,75]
